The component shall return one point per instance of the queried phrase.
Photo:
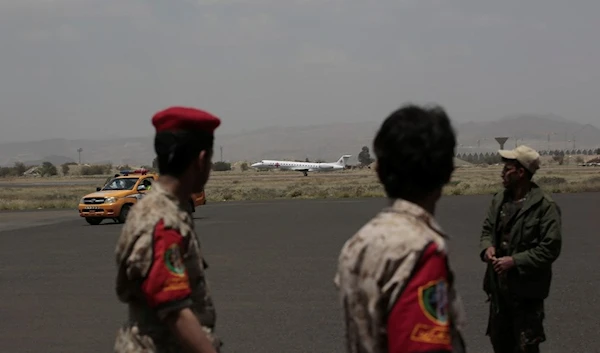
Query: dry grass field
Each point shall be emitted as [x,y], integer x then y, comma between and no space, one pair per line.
[17,194]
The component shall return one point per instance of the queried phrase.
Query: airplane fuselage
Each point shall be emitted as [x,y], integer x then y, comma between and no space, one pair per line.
[304,167]
[297,166]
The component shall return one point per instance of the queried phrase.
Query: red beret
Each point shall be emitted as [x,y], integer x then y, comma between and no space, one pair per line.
[184,118]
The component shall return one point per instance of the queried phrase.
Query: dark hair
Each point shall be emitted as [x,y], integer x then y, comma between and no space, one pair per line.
[175,150]
[415,151]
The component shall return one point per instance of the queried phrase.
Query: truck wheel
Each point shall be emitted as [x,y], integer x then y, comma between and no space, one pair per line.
[124,213]
[93,221]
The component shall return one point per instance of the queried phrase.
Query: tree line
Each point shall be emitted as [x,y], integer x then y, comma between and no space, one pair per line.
[47,169]
[364,160]
[493,158]
[481,155]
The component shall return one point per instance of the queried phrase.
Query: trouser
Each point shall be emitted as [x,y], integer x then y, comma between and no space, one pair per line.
[132,339]
[517,327]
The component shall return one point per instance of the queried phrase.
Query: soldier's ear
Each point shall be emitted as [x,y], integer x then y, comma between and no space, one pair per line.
[204,158]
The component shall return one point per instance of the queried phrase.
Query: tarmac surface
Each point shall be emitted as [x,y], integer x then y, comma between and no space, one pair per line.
[271,271]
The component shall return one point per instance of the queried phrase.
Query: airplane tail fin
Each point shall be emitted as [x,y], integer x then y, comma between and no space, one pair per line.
[343,159]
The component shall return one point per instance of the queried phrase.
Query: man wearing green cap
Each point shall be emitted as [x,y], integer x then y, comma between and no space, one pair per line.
[520,240]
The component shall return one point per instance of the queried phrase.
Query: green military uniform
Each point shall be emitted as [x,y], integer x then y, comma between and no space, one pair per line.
[529,230]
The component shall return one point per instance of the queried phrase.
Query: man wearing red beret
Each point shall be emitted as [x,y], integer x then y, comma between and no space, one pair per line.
[161,270]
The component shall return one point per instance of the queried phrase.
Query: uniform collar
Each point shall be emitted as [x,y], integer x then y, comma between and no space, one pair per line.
[183,212]
[414,210]
[158,188]
[533,196]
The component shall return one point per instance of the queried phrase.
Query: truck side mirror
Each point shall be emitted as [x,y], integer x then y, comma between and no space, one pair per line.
[98,188]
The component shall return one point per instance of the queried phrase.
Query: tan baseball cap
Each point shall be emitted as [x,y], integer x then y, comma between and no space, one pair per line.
[527,156]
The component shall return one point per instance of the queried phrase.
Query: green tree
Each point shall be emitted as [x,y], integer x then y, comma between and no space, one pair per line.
[364,157]
[5,171]
[19,168]
[65,168]
[48,169]
[221,166]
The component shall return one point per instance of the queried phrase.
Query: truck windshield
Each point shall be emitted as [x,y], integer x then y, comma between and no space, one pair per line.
[121,184]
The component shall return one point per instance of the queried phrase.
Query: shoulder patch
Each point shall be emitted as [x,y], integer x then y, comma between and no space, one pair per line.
[433,301]
[437,335]
[173,260]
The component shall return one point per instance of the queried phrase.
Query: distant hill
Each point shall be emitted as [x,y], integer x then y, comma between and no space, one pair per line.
[539,131]
[327,142]
[118,151]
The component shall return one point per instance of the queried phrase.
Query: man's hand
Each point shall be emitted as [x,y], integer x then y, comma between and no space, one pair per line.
[490,254]
[187,329]
[503,264]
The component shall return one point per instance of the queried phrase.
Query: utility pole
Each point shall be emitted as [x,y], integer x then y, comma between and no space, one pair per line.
[221,153]
[79,150]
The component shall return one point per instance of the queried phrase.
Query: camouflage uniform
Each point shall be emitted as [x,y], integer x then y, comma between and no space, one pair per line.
[393,277]
[161,270]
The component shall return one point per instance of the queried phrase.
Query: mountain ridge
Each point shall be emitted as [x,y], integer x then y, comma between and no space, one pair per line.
[326,141]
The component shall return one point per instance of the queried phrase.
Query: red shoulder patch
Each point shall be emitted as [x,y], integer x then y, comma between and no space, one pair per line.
[167,280]
[418,321]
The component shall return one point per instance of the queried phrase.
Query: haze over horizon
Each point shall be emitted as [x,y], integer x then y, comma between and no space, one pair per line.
[99,69]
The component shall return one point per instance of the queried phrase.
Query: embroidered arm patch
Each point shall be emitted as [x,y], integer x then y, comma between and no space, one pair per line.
[167,282]
[418,321]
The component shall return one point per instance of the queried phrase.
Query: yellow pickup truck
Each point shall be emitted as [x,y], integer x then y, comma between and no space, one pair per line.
[119,194]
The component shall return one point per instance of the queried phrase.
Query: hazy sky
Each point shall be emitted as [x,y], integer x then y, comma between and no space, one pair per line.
[101,68]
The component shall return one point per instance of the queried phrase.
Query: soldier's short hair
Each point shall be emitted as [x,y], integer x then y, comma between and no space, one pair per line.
[181,134]
[175,150]
[415,149]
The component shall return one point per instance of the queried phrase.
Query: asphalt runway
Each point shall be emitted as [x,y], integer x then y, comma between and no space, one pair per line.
[271,271]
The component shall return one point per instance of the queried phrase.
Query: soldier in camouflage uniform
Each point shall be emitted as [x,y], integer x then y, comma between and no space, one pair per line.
[161,270]
[520,239]
[394,280]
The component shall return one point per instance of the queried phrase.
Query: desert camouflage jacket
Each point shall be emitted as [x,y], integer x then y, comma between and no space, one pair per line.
[160,270]
[396,287]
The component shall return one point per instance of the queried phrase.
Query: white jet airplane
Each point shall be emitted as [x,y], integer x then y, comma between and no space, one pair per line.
[303,167]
